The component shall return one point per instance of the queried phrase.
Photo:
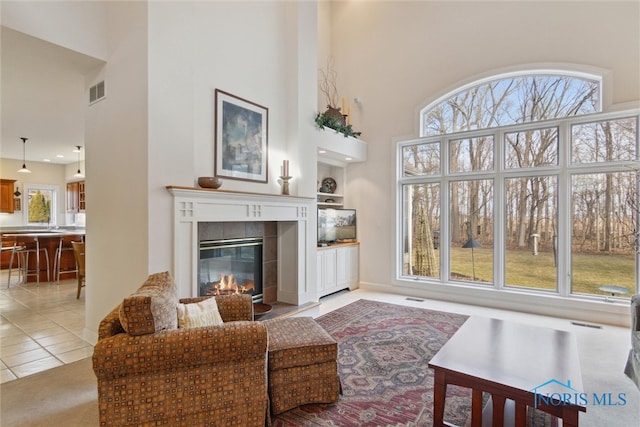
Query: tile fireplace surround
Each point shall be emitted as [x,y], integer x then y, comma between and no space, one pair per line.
[295,218]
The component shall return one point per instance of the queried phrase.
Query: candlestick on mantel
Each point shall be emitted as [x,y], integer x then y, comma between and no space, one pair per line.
[285,184]
[285,168]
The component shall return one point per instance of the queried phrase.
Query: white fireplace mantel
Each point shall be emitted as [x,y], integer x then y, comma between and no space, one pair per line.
[296,238]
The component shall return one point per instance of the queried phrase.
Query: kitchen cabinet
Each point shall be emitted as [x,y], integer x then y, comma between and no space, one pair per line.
[81,196]
[75,197]
[337,268]
[6,195]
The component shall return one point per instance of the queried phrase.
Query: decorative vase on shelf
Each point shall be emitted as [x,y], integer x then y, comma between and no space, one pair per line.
[337,114]
[334,119]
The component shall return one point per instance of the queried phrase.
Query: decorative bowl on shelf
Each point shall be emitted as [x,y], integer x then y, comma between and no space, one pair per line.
[209,182]
[328,185]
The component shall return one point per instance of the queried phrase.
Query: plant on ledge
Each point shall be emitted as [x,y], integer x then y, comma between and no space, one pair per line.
[333,118]
[335,122]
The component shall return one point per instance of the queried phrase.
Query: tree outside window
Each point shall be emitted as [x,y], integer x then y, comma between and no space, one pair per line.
[41,209]
[563,182]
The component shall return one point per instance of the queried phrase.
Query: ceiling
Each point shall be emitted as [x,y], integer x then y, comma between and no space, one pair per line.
[43,99]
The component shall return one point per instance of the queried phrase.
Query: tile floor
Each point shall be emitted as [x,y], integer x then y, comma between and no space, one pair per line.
[41,327]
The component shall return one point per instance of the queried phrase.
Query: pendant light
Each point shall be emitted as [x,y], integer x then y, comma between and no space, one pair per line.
[24,162]
[78,174]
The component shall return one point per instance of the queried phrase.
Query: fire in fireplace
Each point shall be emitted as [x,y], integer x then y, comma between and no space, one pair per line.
[231,266]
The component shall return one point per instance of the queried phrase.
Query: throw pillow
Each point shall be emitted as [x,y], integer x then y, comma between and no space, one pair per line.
[195,315]
[152,308]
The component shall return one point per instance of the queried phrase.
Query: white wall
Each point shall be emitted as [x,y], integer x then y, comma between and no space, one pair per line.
[116,186]
[258,51]
[238,47]
[324,45]
[76,25]
[399,56]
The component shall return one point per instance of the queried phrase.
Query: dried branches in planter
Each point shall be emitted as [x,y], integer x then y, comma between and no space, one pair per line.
[333,117]
[327,85]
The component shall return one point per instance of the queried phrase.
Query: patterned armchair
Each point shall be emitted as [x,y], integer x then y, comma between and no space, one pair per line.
[206,376]
[633,362]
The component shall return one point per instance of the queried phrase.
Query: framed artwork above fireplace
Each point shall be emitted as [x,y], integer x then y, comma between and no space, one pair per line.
[241,138]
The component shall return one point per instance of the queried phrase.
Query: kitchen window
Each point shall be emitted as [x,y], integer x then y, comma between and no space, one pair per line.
[41,205]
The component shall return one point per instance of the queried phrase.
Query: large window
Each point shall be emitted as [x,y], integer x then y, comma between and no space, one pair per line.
[520,183]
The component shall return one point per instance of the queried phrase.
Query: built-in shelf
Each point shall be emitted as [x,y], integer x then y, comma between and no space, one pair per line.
[335,153]
[337,266]
[336,149]
[324,199]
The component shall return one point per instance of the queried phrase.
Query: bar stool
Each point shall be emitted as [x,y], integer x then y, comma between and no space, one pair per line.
[64,245]
[34,248]
[17,252]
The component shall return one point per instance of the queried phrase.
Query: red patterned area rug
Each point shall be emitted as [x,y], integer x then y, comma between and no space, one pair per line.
[383,352]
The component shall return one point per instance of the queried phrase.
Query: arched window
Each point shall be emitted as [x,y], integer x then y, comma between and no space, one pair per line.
[518,181]
[509,100]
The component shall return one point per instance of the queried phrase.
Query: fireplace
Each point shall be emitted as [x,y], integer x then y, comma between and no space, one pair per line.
[231,266]
[288,271]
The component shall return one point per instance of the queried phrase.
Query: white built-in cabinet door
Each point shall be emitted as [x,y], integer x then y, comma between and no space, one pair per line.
[337,269]
[349,256]
[327,271]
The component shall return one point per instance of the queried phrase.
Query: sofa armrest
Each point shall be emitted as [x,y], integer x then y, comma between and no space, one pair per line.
[110,325]
[124,354]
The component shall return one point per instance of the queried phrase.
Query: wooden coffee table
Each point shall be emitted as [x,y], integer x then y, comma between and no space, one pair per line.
[516,364]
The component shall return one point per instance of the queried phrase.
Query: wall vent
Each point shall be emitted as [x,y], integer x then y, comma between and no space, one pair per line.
[96,92]
[586,325]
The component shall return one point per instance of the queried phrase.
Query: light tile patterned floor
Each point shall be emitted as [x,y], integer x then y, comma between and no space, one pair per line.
[41,327]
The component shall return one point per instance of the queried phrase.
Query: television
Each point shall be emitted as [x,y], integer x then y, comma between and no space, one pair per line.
[336,225]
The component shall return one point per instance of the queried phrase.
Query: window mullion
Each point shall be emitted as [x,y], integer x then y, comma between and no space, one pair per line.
[499,212]
[564,252]
[445,208]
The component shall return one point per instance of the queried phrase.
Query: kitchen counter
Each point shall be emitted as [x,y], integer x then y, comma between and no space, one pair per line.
[47,238]
[23,230]
[38,234]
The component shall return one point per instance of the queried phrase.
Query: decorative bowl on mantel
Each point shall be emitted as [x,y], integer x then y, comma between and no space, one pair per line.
[209,182]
